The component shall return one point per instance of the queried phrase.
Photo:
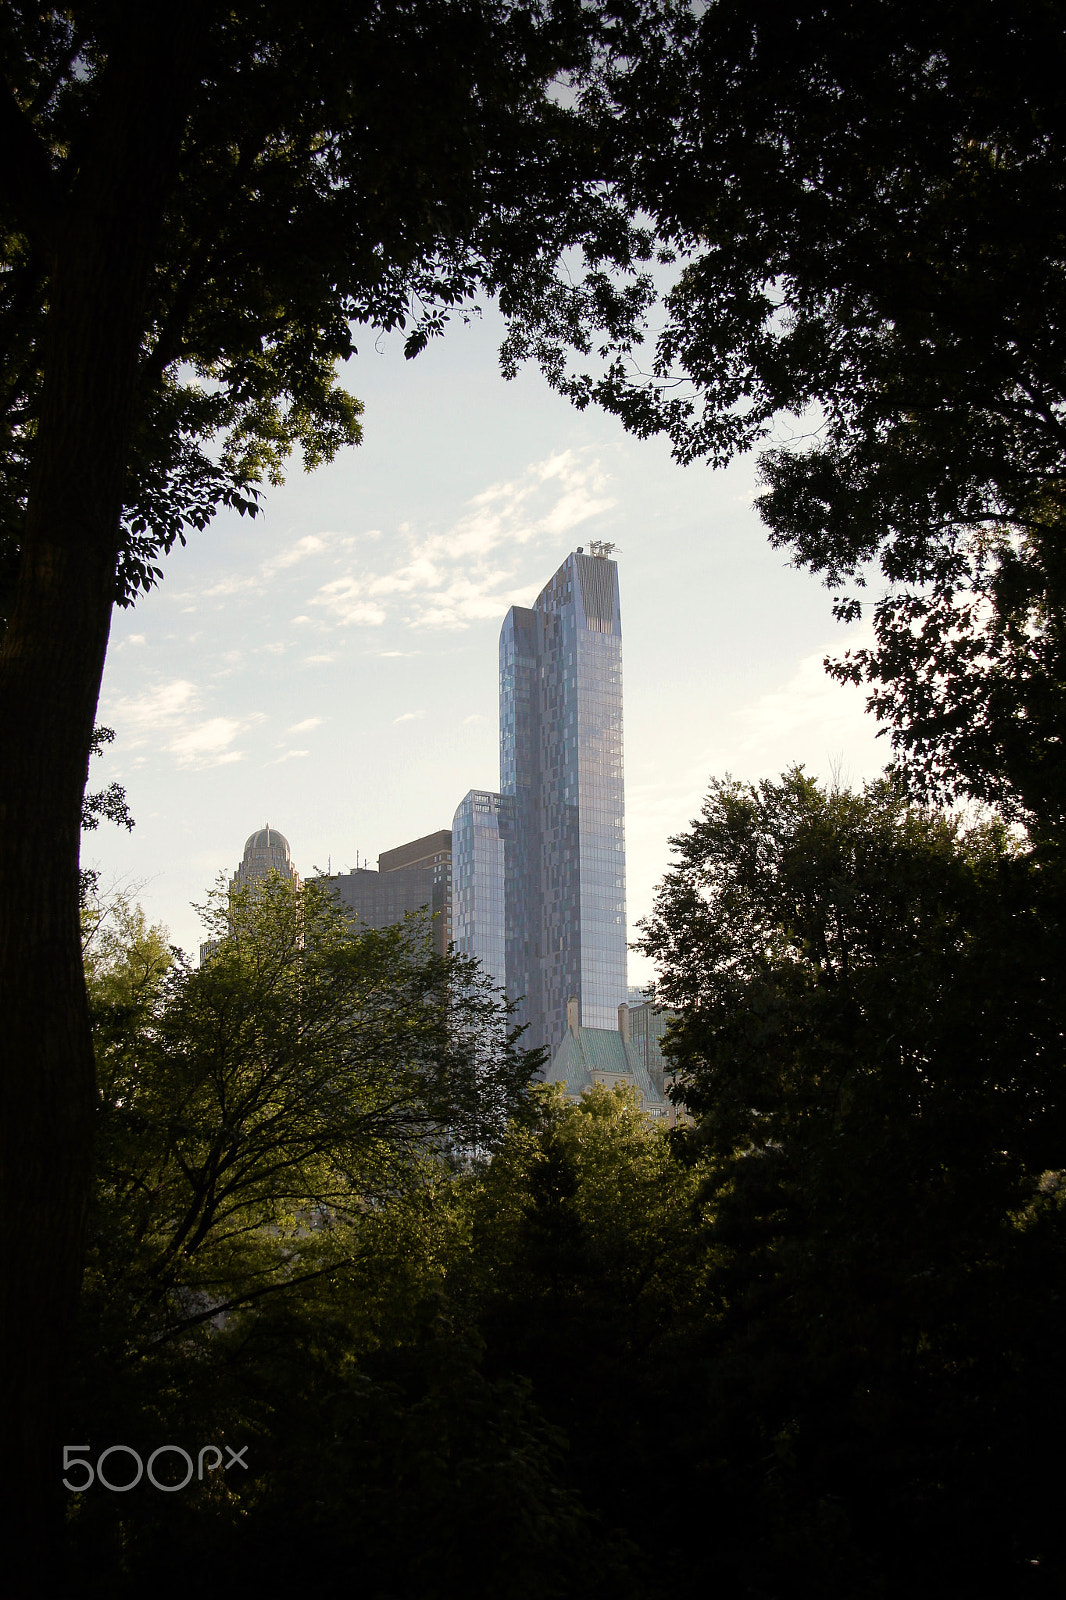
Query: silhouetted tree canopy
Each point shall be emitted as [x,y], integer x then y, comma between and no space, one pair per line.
[197,207]
[870,1033]
[868,206]
[807,1347]
[328,168]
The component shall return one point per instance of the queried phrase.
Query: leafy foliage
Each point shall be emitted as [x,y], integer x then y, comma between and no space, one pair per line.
[867,204]
[102,805]
[871,1030]
[198,205]
[252,1110]
[582,1212]
[376,167]
[802,1349]
[379,1451]
[854,973]
[305,1075]
[126,963]
[108,805]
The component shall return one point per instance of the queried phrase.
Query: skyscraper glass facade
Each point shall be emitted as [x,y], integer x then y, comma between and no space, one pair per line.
[540,880]
[572,745]
[479,839]
[540,868]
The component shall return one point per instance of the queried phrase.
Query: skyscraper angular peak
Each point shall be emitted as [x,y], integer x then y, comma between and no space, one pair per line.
[558,827]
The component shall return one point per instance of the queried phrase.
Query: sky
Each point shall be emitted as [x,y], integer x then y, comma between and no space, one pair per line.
[330,667]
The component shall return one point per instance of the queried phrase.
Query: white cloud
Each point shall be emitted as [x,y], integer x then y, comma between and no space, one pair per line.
[306,725]
[309,545]
[234,583]
[156,708]
[169,716]
[477,717]
[811,710]
[231,583]
[343,598]
[231,661]
[207,743]
[469,572]
[409,716]
[290,755]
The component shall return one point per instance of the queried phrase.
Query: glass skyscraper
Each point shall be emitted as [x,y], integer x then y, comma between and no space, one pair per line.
[559,822]
[479,867]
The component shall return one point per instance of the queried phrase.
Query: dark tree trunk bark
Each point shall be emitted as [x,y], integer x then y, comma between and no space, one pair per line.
[51,661]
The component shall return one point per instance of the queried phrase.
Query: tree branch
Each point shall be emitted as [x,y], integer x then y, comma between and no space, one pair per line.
[167,347]
[27,181]
[241,1300]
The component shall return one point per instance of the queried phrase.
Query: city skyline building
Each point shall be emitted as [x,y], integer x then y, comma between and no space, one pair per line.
[409,878]
[644,1025]
[431,854]
[610,1057]
[481,832]
[555,833]
[265,851]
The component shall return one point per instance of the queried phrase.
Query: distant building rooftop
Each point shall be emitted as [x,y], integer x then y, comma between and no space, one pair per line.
[267,838]
[265,851]
[603,1055]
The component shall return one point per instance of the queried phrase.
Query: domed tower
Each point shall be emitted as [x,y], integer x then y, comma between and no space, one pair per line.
[266,851]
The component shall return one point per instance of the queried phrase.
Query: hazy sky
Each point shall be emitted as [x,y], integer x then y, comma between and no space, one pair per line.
[331,666]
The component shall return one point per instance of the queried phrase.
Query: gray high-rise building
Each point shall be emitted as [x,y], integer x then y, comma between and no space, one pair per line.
[556,832]
[265,851]
[412,877]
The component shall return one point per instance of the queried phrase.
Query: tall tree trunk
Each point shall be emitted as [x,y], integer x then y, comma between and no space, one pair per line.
[101,250]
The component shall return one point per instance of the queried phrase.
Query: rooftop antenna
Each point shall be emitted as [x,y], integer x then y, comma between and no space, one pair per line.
[602,549]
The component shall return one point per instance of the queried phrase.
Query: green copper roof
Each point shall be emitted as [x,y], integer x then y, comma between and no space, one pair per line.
[587,1052]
